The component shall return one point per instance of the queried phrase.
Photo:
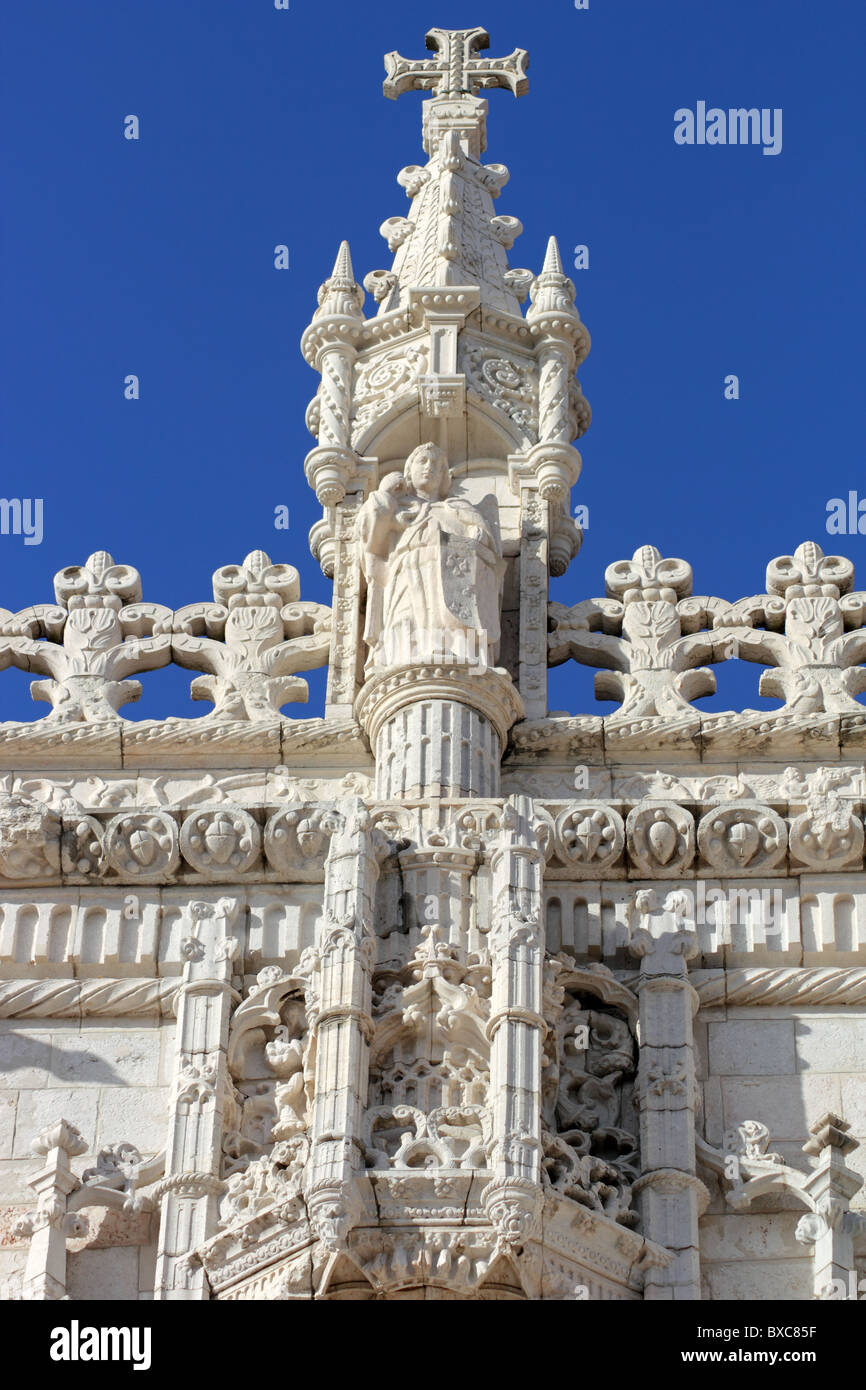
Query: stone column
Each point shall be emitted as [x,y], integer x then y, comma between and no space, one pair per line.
[516,1028]
[671,1196]
[437,875]
[192,1185]
[343,1024]
[50,1226]
[438,731]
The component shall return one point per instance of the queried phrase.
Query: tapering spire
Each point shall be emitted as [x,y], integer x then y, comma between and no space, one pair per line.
[552,296]
[340,295]
[552,260]
[343,275]
[452,235]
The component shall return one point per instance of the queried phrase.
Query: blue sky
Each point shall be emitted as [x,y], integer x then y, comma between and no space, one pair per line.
[261,127]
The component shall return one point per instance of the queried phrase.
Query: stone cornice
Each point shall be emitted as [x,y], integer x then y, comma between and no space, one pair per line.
[209,742]
[709,737]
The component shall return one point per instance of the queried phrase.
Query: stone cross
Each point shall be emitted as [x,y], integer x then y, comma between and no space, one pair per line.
[456,70]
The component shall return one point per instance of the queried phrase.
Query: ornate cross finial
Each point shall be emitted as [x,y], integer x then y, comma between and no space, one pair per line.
[456,70]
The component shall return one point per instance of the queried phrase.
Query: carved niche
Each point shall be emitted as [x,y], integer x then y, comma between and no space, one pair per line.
[590,1152]
[430,1062]
[271,1059]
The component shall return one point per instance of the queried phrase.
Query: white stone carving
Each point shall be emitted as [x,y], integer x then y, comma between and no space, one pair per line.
[817,663]
[739,838]
[143,846]
[661,838]
[252,639]
[392,1036]
[99,634]
[221,843]
[434,570]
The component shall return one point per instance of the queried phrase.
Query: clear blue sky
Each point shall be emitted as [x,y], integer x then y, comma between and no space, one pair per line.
[261,127]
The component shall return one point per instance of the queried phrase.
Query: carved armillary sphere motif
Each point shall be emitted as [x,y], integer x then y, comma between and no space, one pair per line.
[742,838]
[661,838]
[456,70]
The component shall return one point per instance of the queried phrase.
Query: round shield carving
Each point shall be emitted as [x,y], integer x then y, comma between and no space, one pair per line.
[221,841]
[827,836]
[297,840]
[742,838]
[589,838]
[142,845]
[661,838]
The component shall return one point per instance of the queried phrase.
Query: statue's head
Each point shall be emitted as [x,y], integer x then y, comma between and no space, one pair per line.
[427,471]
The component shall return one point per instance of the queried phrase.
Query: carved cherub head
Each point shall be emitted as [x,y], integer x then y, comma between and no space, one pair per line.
[427,471]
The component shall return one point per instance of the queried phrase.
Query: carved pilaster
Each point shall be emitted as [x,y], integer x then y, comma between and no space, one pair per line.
[343,1024]
[192,1184]
[516,1028]
[671,1196]
[832,1227]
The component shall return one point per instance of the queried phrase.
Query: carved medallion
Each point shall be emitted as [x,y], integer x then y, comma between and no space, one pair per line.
[742,838]
[661,839]
[143,845]
[589,838]
[221,842]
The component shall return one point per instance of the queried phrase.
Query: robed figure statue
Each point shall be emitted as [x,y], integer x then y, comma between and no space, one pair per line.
[434,570]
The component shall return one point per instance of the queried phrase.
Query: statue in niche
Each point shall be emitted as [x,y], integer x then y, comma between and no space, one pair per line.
[434,569]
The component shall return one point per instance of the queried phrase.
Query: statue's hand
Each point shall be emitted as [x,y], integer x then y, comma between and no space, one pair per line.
[394,484]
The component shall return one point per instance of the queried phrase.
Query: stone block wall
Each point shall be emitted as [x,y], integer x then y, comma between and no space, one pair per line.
[785,1068]
[110,1078]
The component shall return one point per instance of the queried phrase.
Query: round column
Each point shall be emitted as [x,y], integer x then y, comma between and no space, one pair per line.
[438,731]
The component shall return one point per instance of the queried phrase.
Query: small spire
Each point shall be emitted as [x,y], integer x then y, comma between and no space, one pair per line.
[343,265]
[340,296]
[552,292]
[552,260]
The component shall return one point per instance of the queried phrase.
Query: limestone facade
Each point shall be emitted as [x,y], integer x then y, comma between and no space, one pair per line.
[440,995]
